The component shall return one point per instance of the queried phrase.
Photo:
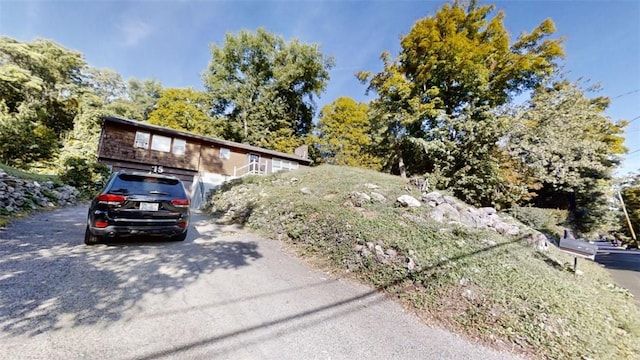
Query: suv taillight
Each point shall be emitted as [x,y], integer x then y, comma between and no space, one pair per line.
[111,199]
[180,202]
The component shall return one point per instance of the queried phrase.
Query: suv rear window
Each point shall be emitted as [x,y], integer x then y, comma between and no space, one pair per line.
[144,185]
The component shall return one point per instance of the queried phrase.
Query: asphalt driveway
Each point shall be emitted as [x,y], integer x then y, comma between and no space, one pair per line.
[623,265]
[223,293]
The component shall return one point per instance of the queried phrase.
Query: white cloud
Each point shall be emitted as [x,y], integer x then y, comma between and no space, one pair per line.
[134,31]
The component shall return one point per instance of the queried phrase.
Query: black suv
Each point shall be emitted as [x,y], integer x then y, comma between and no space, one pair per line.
[139,204]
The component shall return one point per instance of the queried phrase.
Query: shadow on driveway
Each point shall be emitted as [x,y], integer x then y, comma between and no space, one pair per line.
[49,279]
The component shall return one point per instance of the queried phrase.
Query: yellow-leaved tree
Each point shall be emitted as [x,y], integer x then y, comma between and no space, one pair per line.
[343,134]
[184,109]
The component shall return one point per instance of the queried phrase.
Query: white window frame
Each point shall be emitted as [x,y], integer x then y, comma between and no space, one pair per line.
[161,143]
[142,140]
[253,163]
[225,153]
[179,146]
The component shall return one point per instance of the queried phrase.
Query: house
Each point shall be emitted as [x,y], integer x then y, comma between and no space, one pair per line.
[201,162]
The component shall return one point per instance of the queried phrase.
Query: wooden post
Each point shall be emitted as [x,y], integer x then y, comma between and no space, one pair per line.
[624,209]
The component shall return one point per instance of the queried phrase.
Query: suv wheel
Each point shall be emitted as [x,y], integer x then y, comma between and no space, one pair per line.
[89,238]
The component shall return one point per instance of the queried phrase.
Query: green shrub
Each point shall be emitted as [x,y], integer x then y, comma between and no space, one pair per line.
[83,174]
[550,221]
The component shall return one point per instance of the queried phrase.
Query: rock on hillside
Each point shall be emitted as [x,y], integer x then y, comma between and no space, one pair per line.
[449,210]
[18,194]
[433,206]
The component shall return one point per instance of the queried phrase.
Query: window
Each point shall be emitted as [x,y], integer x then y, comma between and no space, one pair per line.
[142,140]
[254,164]
[161,143]
[282,165]
[225,154]
[178,146]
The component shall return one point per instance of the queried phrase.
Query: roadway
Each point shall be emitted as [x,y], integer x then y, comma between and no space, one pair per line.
[624,266]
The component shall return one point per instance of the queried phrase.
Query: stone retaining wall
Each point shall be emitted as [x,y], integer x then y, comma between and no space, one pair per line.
[18,194]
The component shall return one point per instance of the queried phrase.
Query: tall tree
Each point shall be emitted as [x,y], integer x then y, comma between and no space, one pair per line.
[570,146]
[38,84]
[458,66]
[144,94]
[343,134]
[184,109]
[104,92]
[106,84]
[394,113]
[24,139]
[265,88]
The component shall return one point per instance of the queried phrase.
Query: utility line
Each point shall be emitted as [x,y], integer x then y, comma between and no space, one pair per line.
[625,94]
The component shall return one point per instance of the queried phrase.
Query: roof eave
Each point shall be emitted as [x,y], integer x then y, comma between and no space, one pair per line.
[203,138]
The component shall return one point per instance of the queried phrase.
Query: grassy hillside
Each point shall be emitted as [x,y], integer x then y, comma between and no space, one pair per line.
[494,288]
[29,176]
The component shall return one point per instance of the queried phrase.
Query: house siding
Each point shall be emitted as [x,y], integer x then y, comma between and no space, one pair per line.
[200,167]
[120,140]
[210,161]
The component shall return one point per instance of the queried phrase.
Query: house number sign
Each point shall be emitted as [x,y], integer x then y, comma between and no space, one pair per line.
[157,169]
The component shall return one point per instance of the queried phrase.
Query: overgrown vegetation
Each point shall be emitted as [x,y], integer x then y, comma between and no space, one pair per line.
[83,175]
[30,176]
[497,289]
[548,221]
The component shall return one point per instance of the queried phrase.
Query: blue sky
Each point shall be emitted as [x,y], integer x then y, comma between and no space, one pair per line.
[170,40]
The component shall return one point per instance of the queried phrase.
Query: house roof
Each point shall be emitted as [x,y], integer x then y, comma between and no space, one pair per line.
[201,138]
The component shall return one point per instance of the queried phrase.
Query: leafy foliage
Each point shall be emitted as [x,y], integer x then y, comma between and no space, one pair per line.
[567,143]
[184,109]
[82,174]
[134,99]
[36,87]
[441,93]
[51,103]
[343,134]
[264,88]
[103,92]
[461,57]
[23,138]
[394,113]
[144,95]
[546,220]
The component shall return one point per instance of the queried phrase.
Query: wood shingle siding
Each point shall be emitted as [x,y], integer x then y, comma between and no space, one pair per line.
[200,165]
[119,146]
